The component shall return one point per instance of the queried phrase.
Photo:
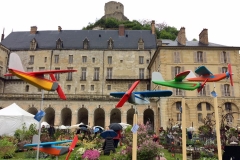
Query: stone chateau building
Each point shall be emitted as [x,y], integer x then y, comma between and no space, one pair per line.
[110,61]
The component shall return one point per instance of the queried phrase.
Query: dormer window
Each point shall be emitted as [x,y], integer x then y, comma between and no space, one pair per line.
[33,44]
[110,43]
[59,44]
[85,43]
[140,43]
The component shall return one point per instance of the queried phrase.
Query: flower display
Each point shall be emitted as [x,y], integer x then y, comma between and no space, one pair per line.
[91,154]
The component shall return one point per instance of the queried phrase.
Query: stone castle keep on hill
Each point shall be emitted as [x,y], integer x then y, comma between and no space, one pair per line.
[110,61]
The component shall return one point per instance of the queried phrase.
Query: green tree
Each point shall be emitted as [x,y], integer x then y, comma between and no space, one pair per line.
[162,30]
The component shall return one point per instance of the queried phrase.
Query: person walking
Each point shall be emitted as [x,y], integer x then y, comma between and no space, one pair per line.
[117,138]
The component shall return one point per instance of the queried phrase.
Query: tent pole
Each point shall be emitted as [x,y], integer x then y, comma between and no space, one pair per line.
[134,143]
[39,127]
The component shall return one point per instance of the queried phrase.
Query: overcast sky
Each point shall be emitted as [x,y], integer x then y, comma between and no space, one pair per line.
[220,17]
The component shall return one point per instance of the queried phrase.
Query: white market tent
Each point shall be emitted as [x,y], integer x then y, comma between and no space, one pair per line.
[13,117]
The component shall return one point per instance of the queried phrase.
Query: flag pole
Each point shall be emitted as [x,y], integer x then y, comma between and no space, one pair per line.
[134,144]
[39,127]
[184,141]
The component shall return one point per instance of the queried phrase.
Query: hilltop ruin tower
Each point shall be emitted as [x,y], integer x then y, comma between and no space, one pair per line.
[115,10]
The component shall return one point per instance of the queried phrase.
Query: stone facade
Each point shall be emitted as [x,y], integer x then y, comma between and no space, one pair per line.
[172,60]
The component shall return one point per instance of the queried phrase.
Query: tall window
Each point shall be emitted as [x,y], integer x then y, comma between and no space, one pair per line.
[200,117]
[141,73]
[69,76]
[141,59]
[179,117]
[200,56]
[59,44]
[177,70]
[84,59]
[228,108]
[56,58]
[226,90]
[33,44]
[57,75]
[93,60]
[208,107]
[109,73]
[203,91]
[96,74]
[176,57]
[109,59]
[70,61]
[224,57]
[84,74]
[224,69]
[178,106]
[178,92]
[199,107]
[31,60]
[45,59]
[109,87]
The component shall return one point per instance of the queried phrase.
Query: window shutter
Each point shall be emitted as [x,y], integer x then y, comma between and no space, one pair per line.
[228,57]
[174,57]
[207,90]
[182,68]
[174,91]
[179,58]
[221,57]
[173,72]
[195,57]
[183,92]
[204,57]
[232,91]
[220,69]
[222,90]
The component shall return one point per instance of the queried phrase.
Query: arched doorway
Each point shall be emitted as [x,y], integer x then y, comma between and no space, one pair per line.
[115,116]
[66,116]
[83,116]
[50,115]
[33,110]
[99,117]
[130,114]
[148,116]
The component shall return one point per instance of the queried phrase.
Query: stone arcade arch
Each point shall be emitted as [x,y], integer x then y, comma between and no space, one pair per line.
[50,115]
[115,116]
[66,116]
[99,117]
[82,116]
[148,115]
[32,110]
[130,114]
[231,119]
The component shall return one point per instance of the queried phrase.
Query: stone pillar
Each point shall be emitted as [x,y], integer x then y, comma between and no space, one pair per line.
[91,118]
[74,119]
[124,117]
[107,120]
[140,118]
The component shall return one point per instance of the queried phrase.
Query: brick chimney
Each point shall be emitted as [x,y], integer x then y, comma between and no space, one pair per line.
[153,27]
[33,30]
[181,38]
[2,38]
[121,30]
[203,36]
[59,28]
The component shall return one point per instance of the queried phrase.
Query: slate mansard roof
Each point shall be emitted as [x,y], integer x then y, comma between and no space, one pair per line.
[73,39]
[190,43]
